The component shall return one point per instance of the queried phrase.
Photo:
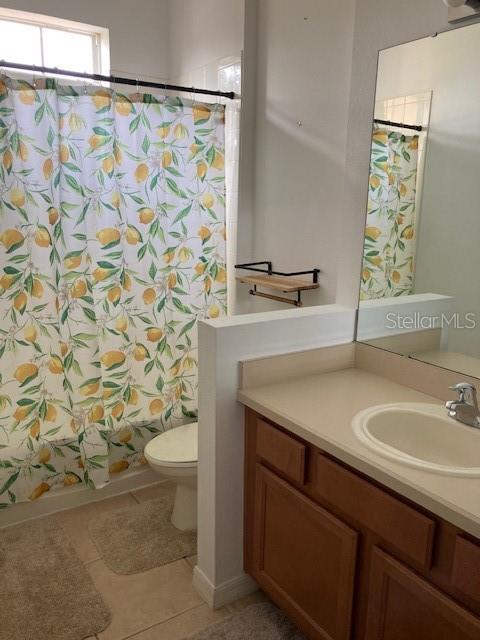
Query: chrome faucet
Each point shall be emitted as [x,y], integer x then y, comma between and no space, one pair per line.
[465,408]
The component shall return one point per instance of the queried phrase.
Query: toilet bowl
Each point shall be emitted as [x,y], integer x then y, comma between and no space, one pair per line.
[174,455]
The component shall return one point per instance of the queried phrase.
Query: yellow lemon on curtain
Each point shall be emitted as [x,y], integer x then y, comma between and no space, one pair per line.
[20,302]
[108,164]
[100,274]
[207,284]
[366,274]
[380,136]
[141,172]
[42,237]
[90,389]
[146,215]
[117,153]
[52,215]
[408,233]
[73,262]
[30,333]
[116,199]
[108,235]
[55,365]
[208,200]
[414,143]
[78,288]
[221,275]
[154,334]
[213,311]
[3,88]
[95,141]
[25,371]
[51,413]
[114,294]
[63,348]
[124,435]
[201,170]
[75,122]
[17,197]
[194,148]
[163,132]
[374,182]
[112,358]
[47,168]
[70,479]
[132,236]
[184,254]
[108,393]
[171,280]
[42,488]
[166,159]
[200,268]
[180,131]
[121,324]
[376,260]
[27,96]
[204,233]
[175,370]
[11,237]
[117,410]
[96,413]
[44,455]
[123,107]
[6,281]
[156,406]
[218,161]
[140,353]
[63,153]
[120,465]
[396,277]
[23,151]
[7,160]
[22,412]
[133,399]
[127,282]
[37,288]
[403,189]
[373,232]
[201,112]
[101,98]
[169,255]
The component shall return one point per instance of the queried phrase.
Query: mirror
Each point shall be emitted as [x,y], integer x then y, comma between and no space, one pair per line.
[420,280]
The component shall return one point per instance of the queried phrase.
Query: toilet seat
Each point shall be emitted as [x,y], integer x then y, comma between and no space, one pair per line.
[176,447]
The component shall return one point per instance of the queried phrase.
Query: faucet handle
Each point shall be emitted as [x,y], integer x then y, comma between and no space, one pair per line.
[467,392]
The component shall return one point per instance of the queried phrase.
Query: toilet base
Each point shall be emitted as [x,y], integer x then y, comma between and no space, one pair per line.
[184,515]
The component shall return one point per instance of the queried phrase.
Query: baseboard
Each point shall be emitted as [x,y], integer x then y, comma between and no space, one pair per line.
[76,496]
[225,593]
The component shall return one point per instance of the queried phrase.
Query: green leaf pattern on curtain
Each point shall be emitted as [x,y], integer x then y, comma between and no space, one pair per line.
[389,248]
[112,246]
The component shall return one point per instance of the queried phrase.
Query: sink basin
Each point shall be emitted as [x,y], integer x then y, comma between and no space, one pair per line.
[422,436]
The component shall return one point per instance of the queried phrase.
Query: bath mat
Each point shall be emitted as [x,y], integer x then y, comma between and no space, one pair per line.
[260,621]
[141,537]
[45,590]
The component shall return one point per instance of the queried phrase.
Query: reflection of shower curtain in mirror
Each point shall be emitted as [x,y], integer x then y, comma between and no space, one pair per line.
[389,249]
[112,246]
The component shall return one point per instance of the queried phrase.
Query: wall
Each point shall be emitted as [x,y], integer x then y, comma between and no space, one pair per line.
[138,44]
[378,25]
[303,76]
[449,224]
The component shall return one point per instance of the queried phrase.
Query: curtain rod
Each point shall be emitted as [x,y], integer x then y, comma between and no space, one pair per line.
[415,127]
[115,79]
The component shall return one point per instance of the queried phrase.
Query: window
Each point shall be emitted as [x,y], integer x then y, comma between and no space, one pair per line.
[42,41]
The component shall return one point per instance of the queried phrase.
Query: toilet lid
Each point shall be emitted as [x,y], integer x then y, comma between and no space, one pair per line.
[178,445]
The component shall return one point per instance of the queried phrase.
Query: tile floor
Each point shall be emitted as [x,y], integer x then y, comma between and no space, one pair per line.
[159,604]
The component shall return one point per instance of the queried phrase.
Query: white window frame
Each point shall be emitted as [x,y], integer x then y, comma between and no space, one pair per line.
[100,35]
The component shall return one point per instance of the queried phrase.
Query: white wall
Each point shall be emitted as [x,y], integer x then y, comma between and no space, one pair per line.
[138,30]
[303,75]
[449,225]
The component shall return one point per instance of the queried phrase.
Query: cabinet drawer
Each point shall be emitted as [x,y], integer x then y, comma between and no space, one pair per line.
[466,568]
[399,525]
[281,451]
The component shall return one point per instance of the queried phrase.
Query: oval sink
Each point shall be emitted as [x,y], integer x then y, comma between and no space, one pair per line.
[420,435]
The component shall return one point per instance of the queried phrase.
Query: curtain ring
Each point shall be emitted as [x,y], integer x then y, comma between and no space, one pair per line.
[34,78]
[193,94]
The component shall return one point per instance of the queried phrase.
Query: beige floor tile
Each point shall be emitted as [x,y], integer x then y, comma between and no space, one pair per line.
[141,600]
[183,625]
[75,523]
[253,598]
[148,493]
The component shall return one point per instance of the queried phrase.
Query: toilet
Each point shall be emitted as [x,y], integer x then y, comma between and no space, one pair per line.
[173,454]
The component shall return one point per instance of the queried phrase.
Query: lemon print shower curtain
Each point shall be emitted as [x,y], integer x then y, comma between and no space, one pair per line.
[389,249]
[112,246]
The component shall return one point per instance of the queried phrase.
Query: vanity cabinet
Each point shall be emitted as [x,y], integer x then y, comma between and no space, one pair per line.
[347,558]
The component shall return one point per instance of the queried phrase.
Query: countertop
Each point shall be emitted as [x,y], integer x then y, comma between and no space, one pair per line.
[319,409]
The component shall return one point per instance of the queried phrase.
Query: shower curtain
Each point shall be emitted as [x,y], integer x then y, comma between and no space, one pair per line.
[389,247]
[112,246]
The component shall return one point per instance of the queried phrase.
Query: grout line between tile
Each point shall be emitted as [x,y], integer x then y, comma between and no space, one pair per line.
[157,624]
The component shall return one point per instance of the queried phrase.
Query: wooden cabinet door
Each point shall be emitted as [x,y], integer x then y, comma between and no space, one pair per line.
[304,558]
[403,606]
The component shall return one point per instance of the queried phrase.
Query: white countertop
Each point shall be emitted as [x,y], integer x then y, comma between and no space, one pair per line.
[320,408]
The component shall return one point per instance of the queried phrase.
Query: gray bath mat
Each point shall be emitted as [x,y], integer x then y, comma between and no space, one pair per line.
[45,590]
[141,537]
[260,621]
